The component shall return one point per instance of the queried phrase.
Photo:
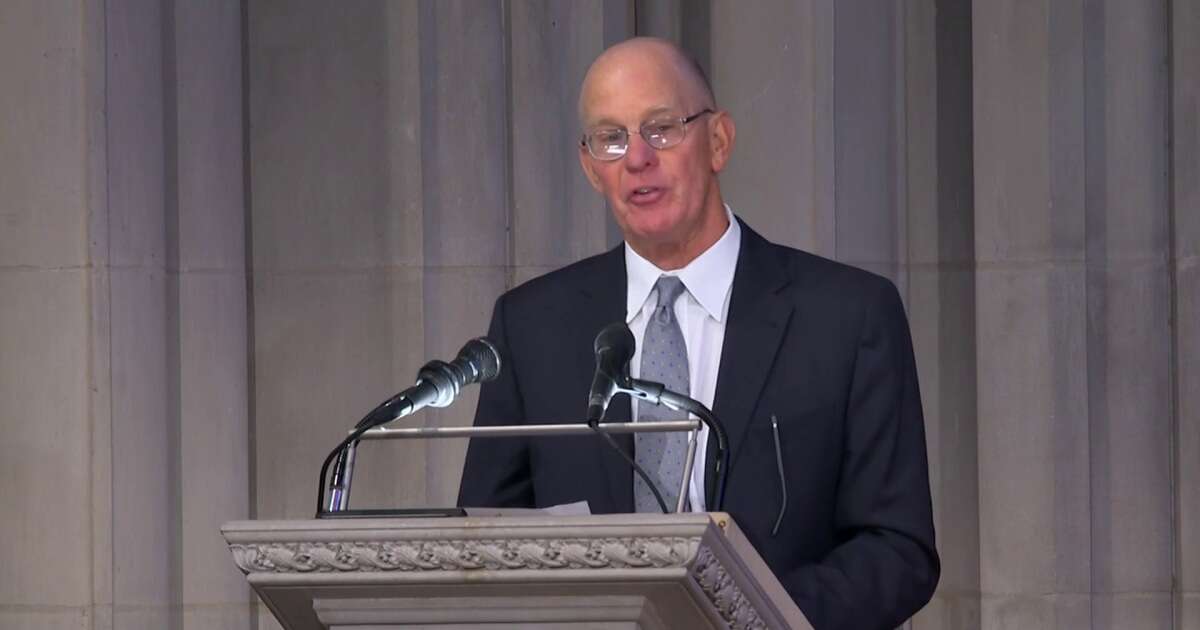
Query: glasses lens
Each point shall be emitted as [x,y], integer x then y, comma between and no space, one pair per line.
[607,144]
[661,134]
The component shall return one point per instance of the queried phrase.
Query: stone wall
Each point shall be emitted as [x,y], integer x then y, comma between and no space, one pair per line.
[229,228]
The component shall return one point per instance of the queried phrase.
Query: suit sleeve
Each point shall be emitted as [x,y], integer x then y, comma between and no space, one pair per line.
[497,471]
[885,566]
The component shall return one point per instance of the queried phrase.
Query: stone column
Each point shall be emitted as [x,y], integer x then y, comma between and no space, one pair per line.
[1072,243]
[939,248]
[133,252]
[206,209]
[124,316]
[50,149]
[1185,268]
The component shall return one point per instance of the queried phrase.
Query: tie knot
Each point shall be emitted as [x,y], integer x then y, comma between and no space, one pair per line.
[669,288]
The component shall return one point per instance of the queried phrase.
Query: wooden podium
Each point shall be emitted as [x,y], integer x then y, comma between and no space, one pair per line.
[617,571]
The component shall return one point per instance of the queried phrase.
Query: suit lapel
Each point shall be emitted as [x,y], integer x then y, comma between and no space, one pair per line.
[604,303]
[758,318]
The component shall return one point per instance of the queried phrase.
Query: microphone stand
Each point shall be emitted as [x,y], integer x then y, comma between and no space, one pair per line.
[658,394]
[343,468]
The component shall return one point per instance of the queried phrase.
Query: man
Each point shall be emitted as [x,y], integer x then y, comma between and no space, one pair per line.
[808,362]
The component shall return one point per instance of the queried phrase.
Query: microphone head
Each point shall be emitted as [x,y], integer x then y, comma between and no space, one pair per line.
[615,338]
[614,348]
[483,357]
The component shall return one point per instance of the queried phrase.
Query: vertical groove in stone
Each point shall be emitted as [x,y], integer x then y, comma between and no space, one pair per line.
[901,174]
[253,603]
[248,261]
[1176,487]
[99,417]
[510,199]
[171,262]
[1095,224]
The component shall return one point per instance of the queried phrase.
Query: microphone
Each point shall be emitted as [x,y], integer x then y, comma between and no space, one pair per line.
[439,383]
[614,348]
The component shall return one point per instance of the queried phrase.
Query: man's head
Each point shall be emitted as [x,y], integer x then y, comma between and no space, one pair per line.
[666,201]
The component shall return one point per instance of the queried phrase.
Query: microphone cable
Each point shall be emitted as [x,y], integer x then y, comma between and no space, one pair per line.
[636,468]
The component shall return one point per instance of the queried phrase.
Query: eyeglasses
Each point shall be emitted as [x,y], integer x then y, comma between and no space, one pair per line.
[610,143]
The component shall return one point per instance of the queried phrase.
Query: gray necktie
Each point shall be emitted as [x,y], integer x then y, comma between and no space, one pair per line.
[664,359]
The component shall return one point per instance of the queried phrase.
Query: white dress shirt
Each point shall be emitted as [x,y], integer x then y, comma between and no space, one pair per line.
[701,311]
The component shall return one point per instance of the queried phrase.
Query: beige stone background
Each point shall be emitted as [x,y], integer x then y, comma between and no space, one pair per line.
[228,228]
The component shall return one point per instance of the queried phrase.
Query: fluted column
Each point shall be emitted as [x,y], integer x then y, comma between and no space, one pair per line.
[124,315]
[1072,242]
[50,100]
[207,210]
[1185,261]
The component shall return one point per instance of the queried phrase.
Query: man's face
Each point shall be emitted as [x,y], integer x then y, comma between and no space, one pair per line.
[658,197]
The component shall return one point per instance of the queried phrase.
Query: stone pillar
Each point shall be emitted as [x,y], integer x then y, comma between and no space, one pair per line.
[134,251]
[123,326]
[336,242]
[49,151]
[939,246]
[206,209]
[1072,242]
[1185,268]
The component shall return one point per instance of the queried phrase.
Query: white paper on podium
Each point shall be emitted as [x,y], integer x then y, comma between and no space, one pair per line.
[578,508]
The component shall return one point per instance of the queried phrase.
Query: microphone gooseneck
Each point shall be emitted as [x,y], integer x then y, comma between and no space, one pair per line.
[658,394]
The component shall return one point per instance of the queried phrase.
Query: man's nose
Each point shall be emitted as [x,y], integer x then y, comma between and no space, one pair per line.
[639,154]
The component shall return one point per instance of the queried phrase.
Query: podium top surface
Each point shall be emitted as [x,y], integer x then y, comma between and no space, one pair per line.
[695,523]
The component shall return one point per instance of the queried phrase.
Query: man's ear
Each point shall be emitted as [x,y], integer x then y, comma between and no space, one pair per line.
[721,136]
[589,168]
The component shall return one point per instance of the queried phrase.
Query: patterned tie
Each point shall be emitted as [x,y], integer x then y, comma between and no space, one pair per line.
[664,359]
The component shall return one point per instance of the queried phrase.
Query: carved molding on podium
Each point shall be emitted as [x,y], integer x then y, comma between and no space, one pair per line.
[459,555]
[729,600]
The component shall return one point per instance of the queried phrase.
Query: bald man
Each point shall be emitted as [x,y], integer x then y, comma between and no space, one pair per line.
[807,361]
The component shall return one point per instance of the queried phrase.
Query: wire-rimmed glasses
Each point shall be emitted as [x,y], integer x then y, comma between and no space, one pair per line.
[610,143]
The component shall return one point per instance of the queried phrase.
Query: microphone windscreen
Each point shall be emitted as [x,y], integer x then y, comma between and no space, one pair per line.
[481,353]
[617,339]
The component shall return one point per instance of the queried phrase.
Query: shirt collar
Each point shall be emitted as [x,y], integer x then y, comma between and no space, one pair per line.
[708,278]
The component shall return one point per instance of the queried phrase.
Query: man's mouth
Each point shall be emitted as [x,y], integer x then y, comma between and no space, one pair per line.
[646,195]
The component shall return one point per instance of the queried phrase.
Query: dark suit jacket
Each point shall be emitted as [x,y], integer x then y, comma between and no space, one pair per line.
[823,346]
